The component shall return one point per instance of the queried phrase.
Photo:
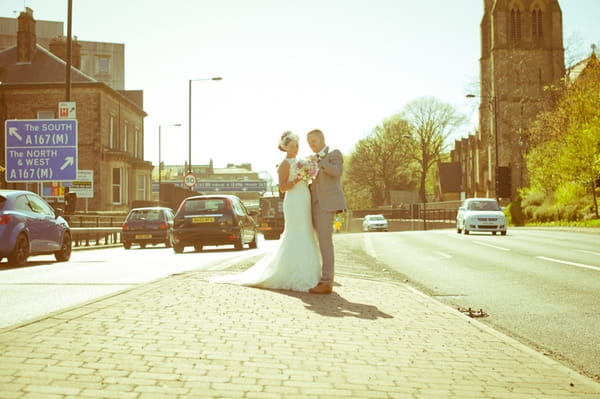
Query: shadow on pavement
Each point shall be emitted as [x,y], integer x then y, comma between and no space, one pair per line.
[334,305]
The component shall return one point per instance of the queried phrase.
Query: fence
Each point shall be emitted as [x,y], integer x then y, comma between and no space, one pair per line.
[424,216]
[90,230]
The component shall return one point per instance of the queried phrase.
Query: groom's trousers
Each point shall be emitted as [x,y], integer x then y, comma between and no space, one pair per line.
[323,223]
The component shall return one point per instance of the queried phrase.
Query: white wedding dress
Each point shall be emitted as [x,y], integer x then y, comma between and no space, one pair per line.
[296,263]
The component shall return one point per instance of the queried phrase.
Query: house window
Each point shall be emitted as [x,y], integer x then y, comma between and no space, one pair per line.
[136,144]
[45,115]
[111,132]
[536,24]
[515,25]
[125,136]
[103,65]
[117,189]
[140,187]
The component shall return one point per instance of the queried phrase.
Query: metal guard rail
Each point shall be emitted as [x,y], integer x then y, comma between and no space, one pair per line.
[95,236]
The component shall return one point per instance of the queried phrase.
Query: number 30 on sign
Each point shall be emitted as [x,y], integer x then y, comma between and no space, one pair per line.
[190,180]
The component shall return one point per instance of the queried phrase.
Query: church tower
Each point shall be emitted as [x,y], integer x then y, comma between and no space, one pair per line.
[521,54]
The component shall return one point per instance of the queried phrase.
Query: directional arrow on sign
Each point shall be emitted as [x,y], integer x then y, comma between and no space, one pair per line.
[13,132]
[68,161]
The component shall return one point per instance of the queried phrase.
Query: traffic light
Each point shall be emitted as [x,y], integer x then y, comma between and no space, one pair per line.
[503,189]
[70,203]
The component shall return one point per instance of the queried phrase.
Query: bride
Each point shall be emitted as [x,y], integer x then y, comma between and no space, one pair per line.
[296,264]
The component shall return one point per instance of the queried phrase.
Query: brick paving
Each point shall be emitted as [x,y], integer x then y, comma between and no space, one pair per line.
[183,337]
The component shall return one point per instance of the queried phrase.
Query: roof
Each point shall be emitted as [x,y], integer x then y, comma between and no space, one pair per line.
[44,67]
[582,67]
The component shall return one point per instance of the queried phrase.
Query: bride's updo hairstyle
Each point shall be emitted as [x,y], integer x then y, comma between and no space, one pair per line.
[285,139]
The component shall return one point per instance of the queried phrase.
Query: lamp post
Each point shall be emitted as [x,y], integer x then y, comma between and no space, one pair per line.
[494,106]
[159,156]
[190,118]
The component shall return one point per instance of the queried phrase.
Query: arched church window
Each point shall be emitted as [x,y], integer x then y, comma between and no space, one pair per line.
[515,24]
[536,24]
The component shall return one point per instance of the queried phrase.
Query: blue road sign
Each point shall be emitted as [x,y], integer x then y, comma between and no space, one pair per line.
[41,150]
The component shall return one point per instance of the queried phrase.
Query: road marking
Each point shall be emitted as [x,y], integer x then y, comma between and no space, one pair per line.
[369,246]
[570,263]
[485,244]
[587,252]
[444,255]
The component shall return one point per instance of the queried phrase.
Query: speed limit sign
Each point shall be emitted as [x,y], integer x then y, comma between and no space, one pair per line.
[190,180]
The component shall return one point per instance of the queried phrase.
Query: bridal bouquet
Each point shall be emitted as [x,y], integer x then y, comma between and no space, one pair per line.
[307,169]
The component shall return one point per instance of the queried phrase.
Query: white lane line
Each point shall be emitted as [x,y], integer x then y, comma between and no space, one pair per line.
[588,252]
[369,246]
[485,244]
[444,255]
[570,263]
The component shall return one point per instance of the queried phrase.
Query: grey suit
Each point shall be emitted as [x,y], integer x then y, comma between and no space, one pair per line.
[327,199]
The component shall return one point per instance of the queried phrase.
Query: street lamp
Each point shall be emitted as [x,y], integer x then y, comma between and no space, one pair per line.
[494,106]
[190,119]
[159,156]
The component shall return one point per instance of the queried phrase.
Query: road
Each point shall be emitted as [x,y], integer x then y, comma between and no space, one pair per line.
[539,286]
[46,286]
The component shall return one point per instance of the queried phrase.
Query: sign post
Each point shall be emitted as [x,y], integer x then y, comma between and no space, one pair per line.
[40,150]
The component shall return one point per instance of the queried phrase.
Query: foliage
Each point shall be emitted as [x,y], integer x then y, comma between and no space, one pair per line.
[379,163]
[432,122]
[564,161]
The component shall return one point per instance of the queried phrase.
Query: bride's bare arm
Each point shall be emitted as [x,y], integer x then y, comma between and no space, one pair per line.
[284,174]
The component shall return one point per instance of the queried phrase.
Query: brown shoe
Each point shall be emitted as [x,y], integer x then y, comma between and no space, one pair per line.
[321,288]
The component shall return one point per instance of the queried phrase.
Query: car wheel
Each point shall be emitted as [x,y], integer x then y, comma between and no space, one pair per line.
[169,242]
[126,245]
[19,254]
[458,229]
[493,233]
[142,246]
[253,242]
[178,248]
[64,254]
[466,231]
[198,247]
[503,232]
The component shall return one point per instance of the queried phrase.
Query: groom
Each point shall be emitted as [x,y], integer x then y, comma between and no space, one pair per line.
[327,199]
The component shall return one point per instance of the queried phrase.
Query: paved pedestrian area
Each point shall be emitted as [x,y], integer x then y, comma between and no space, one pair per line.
[183,337]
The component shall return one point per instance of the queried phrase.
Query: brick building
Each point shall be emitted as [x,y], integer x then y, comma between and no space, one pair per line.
[521,53]
[110,122]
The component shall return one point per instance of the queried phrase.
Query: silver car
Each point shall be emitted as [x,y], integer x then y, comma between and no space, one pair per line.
[480,215]
[375,223]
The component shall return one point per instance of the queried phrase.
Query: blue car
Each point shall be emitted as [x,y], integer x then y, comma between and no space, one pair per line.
[30,226]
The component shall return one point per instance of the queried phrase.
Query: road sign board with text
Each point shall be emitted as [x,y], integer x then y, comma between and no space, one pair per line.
[232,185]
[41,150]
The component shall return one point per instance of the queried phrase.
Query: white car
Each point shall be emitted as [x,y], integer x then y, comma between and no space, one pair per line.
[480,215]
[375,222]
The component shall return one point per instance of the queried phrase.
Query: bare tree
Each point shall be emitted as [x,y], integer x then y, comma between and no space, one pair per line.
[432,122]
[379,163]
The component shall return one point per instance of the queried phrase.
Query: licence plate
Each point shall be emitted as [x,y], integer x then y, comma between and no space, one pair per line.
[203,220]
[141,236]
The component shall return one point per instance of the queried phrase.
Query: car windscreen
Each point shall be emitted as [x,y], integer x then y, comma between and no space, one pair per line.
[145,214]
[377,217]
[205,205]
[483,206]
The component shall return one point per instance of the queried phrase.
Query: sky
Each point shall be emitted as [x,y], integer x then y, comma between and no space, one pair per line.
[342,66]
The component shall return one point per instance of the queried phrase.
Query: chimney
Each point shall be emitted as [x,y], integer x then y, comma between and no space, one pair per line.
[26,39]
[58,47]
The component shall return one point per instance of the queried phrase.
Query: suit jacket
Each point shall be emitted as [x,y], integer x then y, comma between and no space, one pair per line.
[326,189]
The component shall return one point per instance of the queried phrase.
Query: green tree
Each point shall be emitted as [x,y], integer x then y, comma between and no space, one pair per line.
[566,141]
[432,123]
[379,163]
